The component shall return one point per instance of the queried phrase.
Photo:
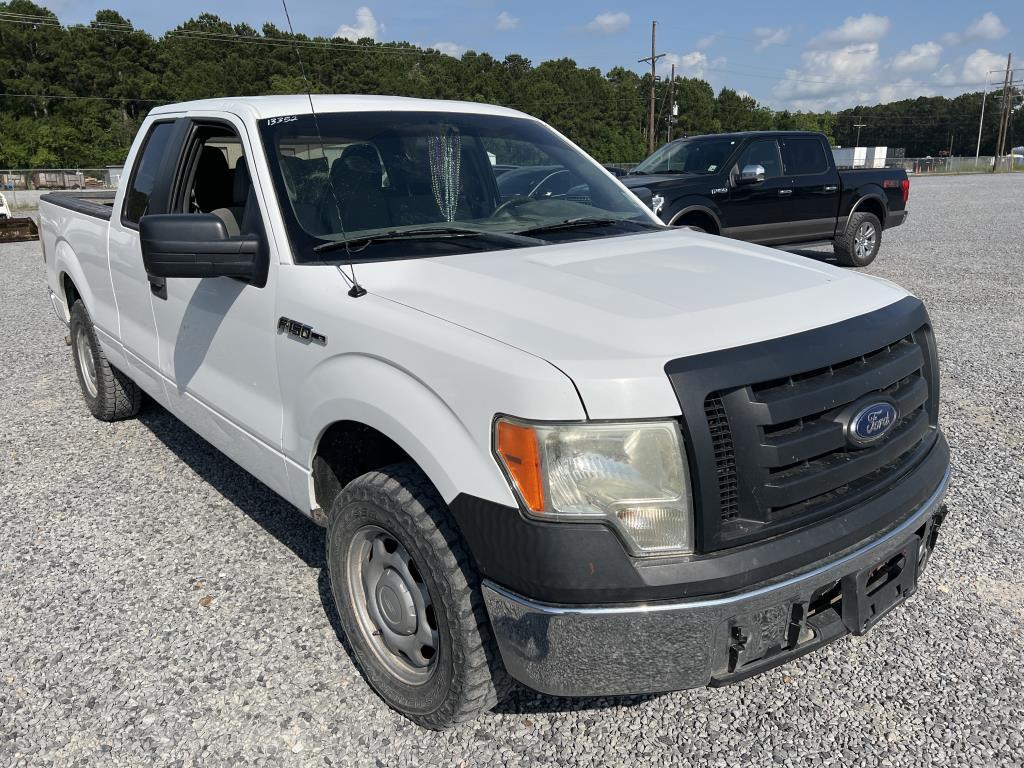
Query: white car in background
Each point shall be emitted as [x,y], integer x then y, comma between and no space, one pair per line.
[5,210]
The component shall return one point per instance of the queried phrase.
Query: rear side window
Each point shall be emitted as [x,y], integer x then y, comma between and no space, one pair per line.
[144,177]
[803,156]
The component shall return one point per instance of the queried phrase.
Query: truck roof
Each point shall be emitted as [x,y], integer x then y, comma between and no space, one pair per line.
[259,107]
[745,134]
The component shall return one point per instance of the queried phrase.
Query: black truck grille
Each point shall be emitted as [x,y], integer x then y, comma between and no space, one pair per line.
[775,454]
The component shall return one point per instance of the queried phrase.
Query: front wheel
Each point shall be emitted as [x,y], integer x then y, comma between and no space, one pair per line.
[858,245]
[409,600]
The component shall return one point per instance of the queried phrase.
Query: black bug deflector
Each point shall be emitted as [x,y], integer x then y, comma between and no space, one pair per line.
[768,447]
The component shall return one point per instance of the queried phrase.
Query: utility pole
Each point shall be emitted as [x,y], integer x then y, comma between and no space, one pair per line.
[858,126]
[1003,109]
[672,102]
[653,58]
[981,121]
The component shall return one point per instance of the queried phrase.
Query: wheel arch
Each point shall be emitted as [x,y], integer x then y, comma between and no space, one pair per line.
[70,278]
[699,211]
[396,417]
[873,203]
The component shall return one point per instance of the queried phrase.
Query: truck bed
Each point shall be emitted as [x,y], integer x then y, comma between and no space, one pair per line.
[96,203]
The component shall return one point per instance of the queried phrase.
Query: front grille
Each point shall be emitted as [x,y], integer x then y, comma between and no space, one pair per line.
[765,423]
[783,437]
[725,457]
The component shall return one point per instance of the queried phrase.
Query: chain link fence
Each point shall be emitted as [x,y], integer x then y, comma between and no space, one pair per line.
[955,165]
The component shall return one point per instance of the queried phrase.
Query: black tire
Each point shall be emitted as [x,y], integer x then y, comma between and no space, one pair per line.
[466,676]
[850,248]
[108,393]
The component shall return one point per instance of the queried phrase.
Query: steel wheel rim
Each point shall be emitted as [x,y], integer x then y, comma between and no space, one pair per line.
[392,605]
[864,240]
[86,363]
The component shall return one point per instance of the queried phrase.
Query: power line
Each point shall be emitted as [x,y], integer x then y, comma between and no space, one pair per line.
[66,96]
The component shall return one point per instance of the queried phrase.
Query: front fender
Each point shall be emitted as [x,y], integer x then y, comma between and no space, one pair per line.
[406,410]
[689,204]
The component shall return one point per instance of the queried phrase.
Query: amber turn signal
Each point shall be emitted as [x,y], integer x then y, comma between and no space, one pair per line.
[519,452]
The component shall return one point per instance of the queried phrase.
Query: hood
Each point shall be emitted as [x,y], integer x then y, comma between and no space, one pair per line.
[612,312]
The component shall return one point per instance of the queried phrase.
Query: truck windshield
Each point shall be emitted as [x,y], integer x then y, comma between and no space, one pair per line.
[702,156]
[365,178]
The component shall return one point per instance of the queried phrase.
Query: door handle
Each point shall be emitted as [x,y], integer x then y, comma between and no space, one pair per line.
[784,192]
[831,188]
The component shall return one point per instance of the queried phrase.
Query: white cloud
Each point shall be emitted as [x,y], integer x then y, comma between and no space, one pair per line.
[705,42]
[860,29]
[988,27]
[366,26]
[607,23]
[450,49]
[977,65]
[506,21]
[768,36]
[922,57]
[692,64]
[833,78]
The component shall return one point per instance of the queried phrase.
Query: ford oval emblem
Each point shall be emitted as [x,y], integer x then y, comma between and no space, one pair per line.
[871,422]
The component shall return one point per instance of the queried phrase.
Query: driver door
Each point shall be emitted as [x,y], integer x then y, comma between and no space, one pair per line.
[217,335]
[758,212]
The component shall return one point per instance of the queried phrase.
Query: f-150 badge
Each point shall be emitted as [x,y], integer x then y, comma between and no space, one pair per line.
[299,331]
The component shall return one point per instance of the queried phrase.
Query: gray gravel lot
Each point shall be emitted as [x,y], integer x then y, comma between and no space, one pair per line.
[160,606]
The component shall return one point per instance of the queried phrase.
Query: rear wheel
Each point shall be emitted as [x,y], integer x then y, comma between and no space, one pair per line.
[108,393]
[859,244]
[409,600]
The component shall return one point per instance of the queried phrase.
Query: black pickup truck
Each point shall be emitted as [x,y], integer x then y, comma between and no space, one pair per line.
[779,188]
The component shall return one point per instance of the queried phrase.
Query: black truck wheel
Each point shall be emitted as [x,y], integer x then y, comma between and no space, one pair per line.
[108,393]
[409,599]
[858,245]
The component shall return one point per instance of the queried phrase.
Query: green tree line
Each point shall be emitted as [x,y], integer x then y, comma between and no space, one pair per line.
[75,96]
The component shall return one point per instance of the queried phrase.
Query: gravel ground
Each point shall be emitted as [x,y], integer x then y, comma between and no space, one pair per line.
[159,606]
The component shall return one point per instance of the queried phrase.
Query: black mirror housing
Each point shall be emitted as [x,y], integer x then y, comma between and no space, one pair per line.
[198,245]
[645,195]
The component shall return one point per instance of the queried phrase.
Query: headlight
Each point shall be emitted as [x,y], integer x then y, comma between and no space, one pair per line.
[631,475]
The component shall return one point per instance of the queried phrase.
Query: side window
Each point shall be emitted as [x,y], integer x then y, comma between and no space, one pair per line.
[144,177]
[764,152]
[218,181]
[803,156]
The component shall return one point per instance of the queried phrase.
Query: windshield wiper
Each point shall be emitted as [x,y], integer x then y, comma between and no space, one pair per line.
[424,233]
[580,222]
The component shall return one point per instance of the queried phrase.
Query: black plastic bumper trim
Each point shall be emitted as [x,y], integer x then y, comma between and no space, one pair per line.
[585,563]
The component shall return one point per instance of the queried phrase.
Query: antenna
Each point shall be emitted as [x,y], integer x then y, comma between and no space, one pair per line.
[356,290]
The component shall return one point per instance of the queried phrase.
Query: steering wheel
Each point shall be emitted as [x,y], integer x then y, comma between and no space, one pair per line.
[512,202]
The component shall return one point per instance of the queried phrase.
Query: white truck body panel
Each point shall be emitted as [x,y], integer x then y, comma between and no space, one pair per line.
[440,346]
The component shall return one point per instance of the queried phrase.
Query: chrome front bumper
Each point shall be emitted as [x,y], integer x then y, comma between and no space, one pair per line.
[645,648]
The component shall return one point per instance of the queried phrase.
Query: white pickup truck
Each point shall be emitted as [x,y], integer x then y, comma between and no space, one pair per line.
[550,438]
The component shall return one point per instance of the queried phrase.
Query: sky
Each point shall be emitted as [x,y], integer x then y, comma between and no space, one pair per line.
[787,55]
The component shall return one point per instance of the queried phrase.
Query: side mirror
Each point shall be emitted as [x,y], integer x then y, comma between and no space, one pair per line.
[198,245]
[645,195]
[751,174]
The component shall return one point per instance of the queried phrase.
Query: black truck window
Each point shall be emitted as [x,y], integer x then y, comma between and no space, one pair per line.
[763,152]
[803,156]
[144,177]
